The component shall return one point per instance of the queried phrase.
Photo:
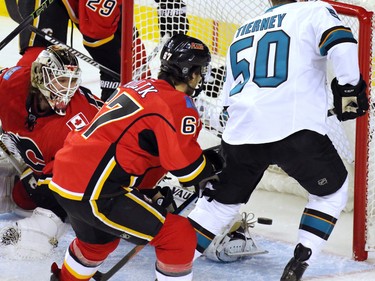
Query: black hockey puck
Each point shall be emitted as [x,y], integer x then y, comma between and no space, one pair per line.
[262,220]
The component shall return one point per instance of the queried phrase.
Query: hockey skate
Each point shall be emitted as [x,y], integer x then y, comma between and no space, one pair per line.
[236,242]
[297,265]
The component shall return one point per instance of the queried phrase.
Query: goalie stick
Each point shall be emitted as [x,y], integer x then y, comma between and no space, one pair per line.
[25,23]
[15,15]
[138,72]
[75,52]
[16,164]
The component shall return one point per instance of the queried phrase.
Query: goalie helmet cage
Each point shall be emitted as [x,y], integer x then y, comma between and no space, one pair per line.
[214,22]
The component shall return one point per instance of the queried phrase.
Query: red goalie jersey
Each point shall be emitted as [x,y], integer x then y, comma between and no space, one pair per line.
[38,147]
[145,130]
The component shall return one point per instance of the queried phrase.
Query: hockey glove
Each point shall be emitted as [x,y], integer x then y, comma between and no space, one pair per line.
[172,17]
[24,188]
[215,158]
[162,196]
[350,101]
[28,179]
[206,188]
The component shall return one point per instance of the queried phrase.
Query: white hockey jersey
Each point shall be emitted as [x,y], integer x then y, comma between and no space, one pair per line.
[276,72]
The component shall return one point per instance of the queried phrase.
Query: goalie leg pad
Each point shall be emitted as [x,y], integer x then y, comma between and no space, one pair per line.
[211,217]
[235,242]
[6,203]
[37,235]
[7,178]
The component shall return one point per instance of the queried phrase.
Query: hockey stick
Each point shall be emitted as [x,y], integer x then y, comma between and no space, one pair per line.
[138,72]
[16,164]
[100,276]
[75,52]
[15,15]
[25,23]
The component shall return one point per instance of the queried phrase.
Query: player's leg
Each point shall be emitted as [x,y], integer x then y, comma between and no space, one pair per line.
[47,21]
[317,166]
[211,216]
[172,236]
[85,255]
[174,247]
[107,51]
[102,39]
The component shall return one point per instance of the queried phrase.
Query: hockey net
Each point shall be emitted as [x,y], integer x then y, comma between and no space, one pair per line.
[215,22]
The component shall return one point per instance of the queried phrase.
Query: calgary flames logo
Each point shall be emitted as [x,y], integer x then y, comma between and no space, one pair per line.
[28,150]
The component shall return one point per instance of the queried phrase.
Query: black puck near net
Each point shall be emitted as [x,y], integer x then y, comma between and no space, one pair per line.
[262,220]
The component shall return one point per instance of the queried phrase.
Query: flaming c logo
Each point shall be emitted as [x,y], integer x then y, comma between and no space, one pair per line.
[29,152]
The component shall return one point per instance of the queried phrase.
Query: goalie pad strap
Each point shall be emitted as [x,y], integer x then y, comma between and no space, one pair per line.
[350,101]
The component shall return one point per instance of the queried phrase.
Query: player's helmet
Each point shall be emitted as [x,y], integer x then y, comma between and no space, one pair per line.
[181,53]
[57,75]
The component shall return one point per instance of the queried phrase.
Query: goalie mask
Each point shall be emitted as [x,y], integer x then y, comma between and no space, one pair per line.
[57,75]
[181,56]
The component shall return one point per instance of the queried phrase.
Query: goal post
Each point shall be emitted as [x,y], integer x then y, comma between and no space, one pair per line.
[361,182]
[215,22]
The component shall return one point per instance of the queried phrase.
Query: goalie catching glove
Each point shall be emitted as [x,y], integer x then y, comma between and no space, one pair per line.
[350,101]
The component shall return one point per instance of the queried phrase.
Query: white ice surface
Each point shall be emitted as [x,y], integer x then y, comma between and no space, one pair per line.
[279,238]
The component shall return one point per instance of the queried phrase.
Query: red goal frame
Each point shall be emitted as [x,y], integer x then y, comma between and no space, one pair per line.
[362,128]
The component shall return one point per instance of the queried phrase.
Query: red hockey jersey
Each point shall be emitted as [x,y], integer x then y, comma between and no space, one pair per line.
[39,146]
[145,130]
[96,19]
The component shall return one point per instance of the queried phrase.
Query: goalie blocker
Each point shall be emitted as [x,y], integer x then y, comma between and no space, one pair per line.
[350,101]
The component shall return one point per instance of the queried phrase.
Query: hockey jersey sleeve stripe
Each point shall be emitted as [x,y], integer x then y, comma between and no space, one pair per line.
[191,176]
[334,36]
[194,173]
